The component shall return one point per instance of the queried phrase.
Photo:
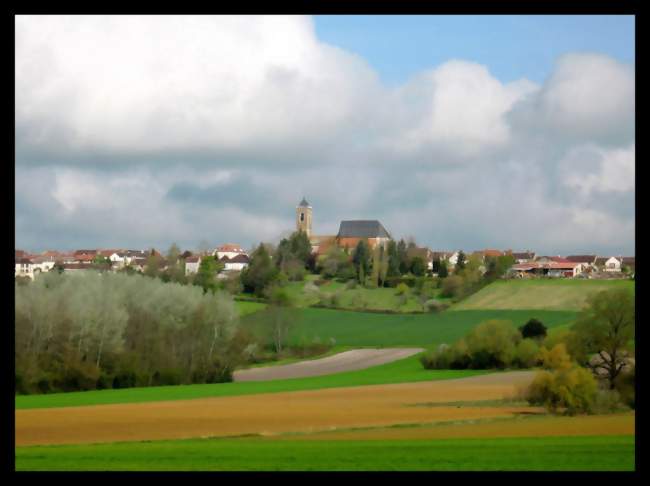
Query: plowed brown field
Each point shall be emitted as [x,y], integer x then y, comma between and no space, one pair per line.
[620,424]
[304,411]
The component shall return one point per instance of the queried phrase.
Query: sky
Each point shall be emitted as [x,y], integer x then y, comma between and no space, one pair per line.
[462,132]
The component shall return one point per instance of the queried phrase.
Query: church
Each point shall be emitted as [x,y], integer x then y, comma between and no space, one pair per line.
[349,235]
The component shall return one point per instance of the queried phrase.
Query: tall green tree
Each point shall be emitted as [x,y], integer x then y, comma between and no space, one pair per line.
[361,260]
[462,260]
[259,273]
[206,276]
[606,327]
[443,271]
[393,259]
[418,266]
[402,257]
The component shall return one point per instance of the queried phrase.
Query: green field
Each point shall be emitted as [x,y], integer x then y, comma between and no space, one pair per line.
[245,308]
[402,371]
[548,294]
[349,328]
[583,453]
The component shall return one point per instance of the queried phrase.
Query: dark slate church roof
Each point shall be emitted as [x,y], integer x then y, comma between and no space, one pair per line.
[303,203]
[362,229]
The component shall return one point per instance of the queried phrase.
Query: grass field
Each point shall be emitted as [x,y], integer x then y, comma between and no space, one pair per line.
[551,294]
[581,453]
[245,308]
[349,328]
[402,371]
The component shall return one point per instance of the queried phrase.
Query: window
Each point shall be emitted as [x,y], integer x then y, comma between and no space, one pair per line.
[302,216]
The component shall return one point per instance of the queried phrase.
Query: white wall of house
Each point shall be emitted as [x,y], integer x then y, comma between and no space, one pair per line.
[24,270]
[613,265]
[453,259]
[192,267]
[235,266]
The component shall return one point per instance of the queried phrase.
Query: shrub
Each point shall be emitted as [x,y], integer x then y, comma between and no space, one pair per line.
[434,305]
[533,329]
[607,401]
[527,354]
[125,379]
[624,385]
[351,284]
[556,358]
[570,389]
[402,289]
[492,344]
[452,286]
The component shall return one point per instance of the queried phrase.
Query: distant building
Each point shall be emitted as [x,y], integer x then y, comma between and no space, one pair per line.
[230,250]
[192,264]
[349,234]
[236,263]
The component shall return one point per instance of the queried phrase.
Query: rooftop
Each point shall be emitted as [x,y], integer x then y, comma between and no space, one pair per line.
[362,229]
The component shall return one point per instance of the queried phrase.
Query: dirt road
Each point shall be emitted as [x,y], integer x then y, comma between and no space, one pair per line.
[356,359]
[272,413]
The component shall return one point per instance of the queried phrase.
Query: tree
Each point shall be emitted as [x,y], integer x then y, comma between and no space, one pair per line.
[533,329]
[206,276]
[606,327]
[153,266]
[393,260]
[418,267]
[361,260]
[402,257]
[443,271]
[379,265]
[260,272]
[462,260]
[297,248]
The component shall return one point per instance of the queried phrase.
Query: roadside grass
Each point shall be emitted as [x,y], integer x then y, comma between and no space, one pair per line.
[546,294]
[579,453]
[290,360]
[401,371]
[358,329]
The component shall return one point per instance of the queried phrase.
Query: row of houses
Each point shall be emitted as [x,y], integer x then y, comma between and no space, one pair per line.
[529,263]
[28,265]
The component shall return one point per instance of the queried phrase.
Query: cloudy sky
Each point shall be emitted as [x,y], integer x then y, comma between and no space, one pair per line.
[462,132]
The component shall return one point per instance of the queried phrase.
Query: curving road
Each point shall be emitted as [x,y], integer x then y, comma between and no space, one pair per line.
[356,359]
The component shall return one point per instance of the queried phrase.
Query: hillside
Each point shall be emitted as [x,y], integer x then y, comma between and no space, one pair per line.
[538,294]
[360,329]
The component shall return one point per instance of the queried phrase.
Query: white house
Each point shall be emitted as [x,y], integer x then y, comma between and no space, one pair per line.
[24,268]
[192,264]
[236,263]
[230,250]
[453,259]
[612,264]
[119,259]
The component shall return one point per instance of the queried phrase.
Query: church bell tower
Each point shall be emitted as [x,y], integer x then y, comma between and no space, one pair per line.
[303,217]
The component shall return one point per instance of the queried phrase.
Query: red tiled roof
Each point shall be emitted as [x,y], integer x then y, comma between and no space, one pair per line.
[241,258]
[230,247]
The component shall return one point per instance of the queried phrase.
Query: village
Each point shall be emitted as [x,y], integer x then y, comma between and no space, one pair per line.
[233,258]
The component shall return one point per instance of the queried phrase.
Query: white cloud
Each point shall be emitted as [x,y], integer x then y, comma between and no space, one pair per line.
[589,97]
[181,128]
[593,169]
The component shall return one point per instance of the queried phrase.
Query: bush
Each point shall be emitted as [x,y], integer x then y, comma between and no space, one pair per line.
[165,377]
[402,289]
[572,390]
[452,286]
[607,401]
[434,305]
[395,281]
[492,344]
[533,329]
[624,385]
[351,284]
[527,354]
[124,379]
